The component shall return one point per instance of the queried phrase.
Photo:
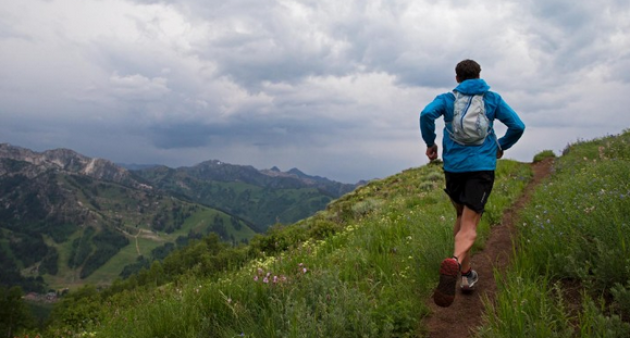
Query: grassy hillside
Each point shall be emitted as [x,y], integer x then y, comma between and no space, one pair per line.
[362,267]
[144,242]
[571,277]
[260,199]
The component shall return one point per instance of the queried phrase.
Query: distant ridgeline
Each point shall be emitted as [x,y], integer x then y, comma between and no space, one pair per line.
[66,219]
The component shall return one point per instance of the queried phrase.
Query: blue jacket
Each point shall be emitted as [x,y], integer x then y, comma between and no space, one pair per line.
[459,158]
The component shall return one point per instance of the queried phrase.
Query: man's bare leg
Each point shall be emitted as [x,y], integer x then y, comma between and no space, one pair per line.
[465,236]
[465,232]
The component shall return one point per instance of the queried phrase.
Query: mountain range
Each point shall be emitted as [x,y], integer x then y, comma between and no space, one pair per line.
[66,218]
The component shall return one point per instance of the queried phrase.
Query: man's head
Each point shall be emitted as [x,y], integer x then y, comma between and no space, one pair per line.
[467,69]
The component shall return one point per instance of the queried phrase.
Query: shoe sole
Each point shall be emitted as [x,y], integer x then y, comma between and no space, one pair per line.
[444,294]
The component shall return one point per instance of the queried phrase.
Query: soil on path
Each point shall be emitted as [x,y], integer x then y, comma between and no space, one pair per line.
[463,317]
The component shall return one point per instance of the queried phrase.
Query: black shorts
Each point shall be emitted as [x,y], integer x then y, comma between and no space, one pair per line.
[471,189]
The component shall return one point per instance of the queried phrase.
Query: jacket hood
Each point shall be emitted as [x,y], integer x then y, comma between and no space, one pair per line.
[472,87]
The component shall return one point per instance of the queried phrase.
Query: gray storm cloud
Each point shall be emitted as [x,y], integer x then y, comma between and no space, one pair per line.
[333,88]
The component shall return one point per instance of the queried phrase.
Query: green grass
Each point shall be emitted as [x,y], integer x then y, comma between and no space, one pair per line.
[149,240]
[112,269]
[543,155]
[66,276]
[574,232]
[368,272]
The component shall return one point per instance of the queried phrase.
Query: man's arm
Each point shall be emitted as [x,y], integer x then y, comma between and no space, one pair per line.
[516,127]
[428,116]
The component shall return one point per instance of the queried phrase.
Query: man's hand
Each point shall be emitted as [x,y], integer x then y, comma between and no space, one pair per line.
[432,152]
[499,153]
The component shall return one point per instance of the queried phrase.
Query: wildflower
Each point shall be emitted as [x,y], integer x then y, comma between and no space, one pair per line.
[256,278]
[266,280]
[275,279]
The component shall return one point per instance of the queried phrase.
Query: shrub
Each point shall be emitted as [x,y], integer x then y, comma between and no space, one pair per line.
[543,155]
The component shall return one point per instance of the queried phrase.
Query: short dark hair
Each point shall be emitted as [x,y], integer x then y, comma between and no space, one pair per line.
[467,69]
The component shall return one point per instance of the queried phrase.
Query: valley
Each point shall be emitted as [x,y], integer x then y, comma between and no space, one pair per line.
[67,219]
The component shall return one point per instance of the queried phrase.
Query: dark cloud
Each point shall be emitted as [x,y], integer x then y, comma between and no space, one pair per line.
[177,136]
[331,87]
[251,130]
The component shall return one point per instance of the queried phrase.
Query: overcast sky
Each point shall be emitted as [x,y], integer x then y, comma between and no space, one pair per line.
[331,87]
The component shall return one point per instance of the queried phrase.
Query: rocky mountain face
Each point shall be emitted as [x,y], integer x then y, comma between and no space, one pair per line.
[33,189]
[32,164]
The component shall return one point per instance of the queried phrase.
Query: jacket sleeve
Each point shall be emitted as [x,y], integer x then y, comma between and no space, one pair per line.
[515,127]
[428,116]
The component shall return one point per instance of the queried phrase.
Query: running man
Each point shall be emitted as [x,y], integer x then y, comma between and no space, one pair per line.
[468,170]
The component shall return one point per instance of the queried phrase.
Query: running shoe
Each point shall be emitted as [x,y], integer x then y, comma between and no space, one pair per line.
[444,294]
[469,281]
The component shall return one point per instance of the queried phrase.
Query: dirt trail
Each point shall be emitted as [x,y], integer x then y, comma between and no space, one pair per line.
[463,317]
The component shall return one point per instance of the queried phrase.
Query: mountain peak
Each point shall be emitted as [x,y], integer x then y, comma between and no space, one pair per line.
[297,172]
[68,161]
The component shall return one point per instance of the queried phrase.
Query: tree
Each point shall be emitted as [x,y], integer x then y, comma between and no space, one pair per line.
[77,309]
[14,314]
[156,274]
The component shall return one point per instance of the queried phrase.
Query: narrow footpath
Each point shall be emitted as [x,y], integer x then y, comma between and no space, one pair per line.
[463,317]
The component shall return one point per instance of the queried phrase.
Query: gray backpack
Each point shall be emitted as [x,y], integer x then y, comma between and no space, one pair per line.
[470,125]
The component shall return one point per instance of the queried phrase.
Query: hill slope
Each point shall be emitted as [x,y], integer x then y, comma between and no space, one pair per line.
[263,197]
[338,273]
